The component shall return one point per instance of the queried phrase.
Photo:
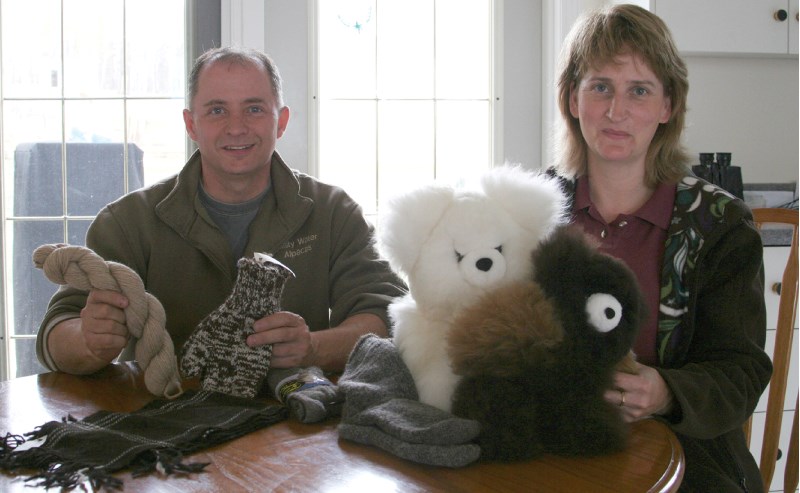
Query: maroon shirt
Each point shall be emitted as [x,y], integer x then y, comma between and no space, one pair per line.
[638,240]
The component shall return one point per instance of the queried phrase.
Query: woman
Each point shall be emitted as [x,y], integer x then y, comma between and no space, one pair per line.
[698,258]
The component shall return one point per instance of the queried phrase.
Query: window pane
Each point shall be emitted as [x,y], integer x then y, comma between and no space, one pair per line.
[405,145]
[96,175]
[95,153]
[24,350]
[33,170]
[30,289]
[347,149]
[347,48]
[422,53]
[462,146]
[32,46]
[405,49]
[38,183]
[156,127]
[93,58]
[76,231]
[463,41]
[96,120]
[155,63]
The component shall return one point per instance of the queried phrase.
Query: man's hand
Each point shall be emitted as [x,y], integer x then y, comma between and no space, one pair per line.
[292,344]
[87,344]
[103,324]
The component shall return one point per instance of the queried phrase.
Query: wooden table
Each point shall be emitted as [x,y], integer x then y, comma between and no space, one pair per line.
[292,456]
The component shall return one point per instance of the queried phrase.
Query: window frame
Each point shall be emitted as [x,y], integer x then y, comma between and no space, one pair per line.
[201,28]
[495,91]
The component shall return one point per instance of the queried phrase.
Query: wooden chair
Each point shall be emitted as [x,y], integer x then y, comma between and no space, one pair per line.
[787,311]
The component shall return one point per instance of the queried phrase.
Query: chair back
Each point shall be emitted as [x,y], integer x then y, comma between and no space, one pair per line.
[781,359]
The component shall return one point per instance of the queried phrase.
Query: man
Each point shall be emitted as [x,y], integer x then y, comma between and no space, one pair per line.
[234,196]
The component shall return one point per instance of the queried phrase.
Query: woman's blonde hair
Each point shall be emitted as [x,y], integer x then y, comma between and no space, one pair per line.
[596,40]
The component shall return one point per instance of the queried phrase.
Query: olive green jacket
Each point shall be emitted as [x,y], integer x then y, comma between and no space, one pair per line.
[711,333]
[166,236]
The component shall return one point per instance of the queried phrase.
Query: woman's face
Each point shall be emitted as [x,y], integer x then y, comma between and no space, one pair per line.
[619,107]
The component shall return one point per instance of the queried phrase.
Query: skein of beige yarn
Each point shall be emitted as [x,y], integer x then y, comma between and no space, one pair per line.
[79,267]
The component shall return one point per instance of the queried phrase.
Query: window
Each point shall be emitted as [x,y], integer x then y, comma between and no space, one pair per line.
[92,93]
[405,94]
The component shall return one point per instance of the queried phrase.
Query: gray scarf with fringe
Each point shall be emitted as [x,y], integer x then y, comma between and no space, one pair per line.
[68,453]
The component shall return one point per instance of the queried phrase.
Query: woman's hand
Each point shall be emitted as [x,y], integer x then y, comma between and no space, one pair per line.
[640,396]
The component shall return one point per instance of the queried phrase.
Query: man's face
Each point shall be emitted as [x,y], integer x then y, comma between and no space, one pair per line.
[235,121]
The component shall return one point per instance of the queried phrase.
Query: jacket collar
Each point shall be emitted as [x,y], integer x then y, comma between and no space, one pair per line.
[284,210]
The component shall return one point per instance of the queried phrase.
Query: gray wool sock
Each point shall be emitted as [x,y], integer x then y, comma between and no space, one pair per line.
[382,408]
[308,394]
[415,422]
[375,373]
[217,350]
[432,455]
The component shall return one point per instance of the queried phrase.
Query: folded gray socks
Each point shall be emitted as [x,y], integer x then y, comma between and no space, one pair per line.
[382,408]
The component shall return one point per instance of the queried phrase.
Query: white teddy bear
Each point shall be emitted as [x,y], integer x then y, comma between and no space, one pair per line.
[452,246]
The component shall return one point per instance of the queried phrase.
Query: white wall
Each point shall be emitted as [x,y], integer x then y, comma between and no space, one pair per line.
[746,106]
[286,40]
[522,82]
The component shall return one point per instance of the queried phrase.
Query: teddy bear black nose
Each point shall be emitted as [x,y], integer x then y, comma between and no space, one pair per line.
[484,264]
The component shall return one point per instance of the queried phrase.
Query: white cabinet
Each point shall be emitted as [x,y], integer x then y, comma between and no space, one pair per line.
[731,26]
[774,261]
[794,25]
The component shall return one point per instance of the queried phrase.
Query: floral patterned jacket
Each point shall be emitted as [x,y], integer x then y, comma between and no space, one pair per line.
[711,333]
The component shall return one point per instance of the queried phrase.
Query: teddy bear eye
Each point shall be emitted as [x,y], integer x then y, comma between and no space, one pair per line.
[604,311]
[459,257]
[499,248]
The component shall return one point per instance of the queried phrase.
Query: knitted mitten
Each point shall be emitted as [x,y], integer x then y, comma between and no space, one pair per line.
[217,351]
[309,396]
[382,408]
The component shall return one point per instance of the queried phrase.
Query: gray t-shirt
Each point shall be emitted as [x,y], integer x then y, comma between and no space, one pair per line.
[233,219]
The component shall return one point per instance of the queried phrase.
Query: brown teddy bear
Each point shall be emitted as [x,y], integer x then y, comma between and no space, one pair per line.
[536,356]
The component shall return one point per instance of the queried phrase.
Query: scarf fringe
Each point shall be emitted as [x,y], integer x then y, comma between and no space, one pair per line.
[9,443]
[49,468]
[55,473]
[71,476]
